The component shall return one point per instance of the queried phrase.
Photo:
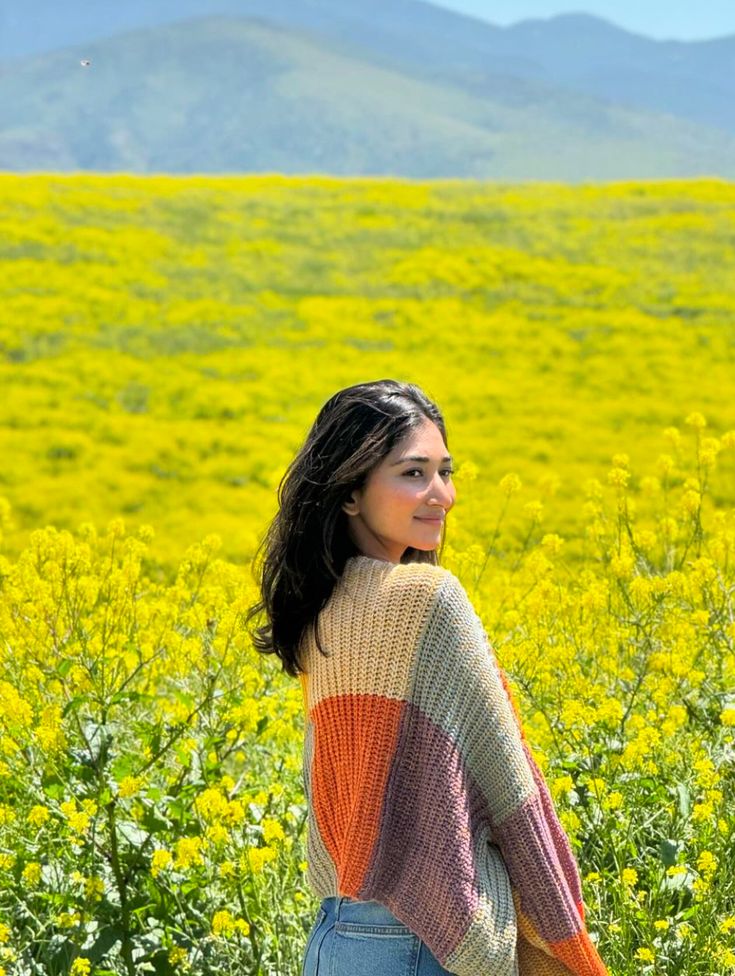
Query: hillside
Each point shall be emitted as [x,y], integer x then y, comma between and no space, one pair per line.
[229,94]
[584,54]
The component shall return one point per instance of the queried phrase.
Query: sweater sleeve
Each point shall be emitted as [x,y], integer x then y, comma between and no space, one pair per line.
[484,720]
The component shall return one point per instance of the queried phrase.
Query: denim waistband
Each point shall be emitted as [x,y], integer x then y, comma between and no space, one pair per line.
[342,908]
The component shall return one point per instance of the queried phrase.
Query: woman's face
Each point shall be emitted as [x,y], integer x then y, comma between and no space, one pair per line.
[386,514]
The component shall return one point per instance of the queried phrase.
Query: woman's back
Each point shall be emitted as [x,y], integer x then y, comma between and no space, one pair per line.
[422,792]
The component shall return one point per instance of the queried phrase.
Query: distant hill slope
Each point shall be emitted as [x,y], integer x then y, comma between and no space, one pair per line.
[585,54]
[234,95]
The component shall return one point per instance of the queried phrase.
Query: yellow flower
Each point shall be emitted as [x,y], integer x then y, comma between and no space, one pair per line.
[702,812]
[32,873]
[217,833]
[38,815]
[662,924]
[79,822]
[177,955]
[695,419]
[510,484]
[80,967]
[727,715]
[211,804]
[629,876]
[78,819]
[726,957]
[188,851]
[129,786]
[223,923]
[235,812]
[618,477]
[160,859]
[4,932]
[94,888]
[552,543]
[534,509]
[707,862]
[645,955]
[258,857]
[271,829]
[146,533]
[613,801]
[116,527]
[227,869]
[466,471]
[67,920]
[562,784]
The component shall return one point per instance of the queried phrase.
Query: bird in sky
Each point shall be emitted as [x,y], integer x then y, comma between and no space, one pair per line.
[85,63]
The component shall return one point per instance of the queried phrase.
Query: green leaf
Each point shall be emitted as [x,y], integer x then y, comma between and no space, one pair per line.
[106,939]
[132,833]
[685,801]
[73,704]
[65,667]
[154,822]
[53,787]
[668,850]
[124,765]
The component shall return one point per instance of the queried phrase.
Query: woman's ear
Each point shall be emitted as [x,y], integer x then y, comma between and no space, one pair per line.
[350,506]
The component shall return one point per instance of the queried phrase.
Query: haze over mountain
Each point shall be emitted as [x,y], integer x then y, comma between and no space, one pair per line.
[398,87]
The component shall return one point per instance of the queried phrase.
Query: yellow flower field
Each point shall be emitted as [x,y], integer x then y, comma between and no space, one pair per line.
[165,343]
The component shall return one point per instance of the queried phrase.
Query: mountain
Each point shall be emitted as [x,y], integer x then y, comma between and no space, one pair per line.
[397,87]
[692,80]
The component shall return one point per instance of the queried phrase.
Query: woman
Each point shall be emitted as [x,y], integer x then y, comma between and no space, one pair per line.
[433,842]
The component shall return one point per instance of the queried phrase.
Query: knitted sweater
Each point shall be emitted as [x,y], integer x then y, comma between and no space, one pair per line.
[422,793]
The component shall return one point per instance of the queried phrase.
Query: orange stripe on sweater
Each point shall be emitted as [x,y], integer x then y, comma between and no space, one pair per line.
[348,791]
[577,954]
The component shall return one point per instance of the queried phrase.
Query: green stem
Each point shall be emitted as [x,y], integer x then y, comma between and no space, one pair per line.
[126,945]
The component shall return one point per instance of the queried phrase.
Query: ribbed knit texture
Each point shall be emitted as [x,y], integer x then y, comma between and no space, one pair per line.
[422,791]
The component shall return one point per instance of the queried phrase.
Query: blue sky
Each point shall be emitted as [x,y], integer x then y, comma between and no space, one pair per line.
[662,19]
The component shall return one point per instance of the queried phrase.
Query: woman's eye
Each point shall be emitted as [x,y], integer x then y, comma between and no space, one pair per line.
[447,471]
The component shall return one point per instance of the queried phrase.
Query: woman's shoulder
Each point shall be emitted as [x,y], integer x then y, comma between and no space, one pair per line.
[434,583]
[414,582]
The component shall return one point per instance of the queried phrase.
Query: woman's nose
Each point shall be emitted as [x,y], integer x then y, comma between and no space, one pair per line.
[444,493]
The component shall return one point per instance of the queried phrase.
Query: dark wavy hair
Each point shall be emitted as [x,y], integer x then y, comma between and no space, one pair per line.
[306,546]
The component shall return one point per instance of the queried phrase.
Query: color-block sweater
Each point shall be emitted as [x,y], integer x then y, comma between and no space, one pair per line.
[421,788]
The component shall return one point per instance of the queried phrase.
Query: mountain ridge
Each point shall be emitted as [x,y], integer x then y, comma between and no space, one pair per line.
[444,110]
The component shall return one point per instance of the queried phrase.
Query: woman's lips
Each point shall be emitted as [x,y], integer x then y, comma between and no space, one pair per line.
[436,521]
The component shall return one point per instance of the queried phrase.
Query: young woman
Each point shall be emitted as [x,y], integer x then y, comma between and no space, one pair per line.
[433,842]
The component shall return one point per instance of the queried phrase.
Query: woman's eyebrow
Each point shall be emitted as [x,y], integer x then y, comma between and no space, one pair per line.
[415,457]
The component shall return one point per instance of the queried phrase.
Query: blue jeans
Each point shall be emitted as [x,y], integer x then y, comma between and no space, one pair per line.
[363,938]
